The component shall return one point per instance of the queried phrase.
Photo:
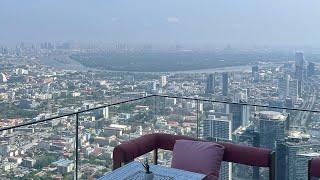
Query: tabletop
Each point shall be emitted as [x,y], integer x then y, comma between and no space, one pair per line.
[135,171]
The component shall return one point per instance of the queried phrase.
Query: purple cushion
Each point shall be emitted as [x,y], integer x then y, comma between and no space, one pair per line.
[197,156]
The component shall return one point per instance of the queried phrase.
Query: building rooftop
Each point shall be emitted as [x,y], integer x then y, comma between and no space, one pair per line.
[244,129]
[298,135]
[62,162]
[272,115]
[310,154]
[119,126]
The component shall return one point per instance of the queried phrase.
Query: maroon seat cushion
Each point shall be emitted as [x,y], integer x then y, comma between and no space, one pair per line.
[315,167]
[198,156]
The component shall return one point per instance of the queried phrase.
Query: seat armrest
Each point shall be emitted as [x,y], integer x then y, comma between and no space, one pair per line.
[251,156]
[315,167]
[167,141]
[134,148]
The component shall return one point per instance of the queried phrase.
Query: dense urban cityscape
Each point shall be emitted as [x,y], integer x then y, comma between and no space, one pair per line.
[40,81]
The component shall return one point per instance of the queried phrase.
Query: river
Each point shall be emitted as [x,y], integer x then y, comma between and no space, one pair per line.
[66,63]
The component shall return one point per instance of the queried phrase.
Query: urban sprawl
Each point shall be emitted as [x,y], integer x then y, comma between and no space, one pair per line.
[31,90]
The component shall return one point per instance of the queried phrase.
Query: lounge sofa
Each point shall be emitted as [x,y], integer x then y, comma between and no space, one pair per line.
[251,156]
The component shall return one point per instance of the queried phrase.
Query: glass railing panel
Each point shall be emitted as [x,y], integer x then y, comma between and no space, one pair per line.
[291,134]
[43,150]
[177,116]
[164,157]
[102,129]
[215,125]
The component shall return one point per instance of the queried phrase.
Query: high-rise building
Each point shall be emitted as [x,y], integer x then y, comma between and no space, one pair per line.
[272,127]
[219,125]
[254,70]
[241,95]
[210,84]
[299,57]
[98,113]
[294,89]
[239,113]
[292,155]
[299,70]
[275,102]
[3,77]
[105,112]
[99,123]
[129,79]
[154,86]
[246,135]
[3,50]
[225,83]
[302,162]
[283,86]
[288,88]
[310,69]
[121,47]
[288,103]
[255,73]
[4,148]
[163,80]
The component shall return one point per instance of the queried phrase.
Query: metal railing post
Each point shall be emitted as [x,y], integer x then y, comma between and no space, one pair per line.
[154,107]
[198,119]
[77,145]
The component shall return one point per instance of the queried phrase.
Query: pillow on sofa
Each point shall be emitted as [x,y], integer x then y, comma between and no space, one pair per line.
[198,156]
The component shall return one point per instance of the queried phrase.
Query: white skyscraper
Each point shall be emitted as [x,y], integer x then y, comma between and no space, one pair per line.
[241,95]
[3,77]
[288,88]
[105,112]
[154,86]
[163,81]
[217,127]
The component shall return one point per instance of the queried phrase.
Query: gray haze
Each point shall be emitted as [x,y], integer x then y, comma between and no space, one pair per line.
[244,22]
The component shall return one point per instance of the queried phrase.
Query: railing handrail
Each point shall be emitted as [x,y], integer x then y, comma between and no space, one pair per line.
[236,103]
[73,113]
[155,95]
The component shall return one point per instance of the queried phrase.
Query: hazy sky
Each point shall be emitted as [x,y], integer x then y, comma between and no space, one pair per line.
[249,22]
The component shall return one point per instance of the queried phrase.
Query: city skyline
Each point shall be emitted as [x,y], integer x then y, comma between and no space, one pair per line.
[245,23]
[89,86]
[36,83]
